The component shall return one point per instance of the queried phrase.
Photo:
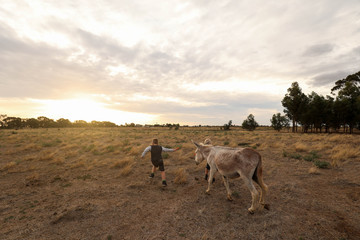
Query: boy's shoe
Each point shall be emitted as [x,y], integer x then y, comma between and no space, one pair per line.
[151,175]
[164,184]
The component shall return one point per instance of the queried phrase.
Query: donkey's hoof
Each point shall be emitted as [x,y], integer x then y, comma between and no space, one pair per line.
[229,197]
[207,192]
[251,211]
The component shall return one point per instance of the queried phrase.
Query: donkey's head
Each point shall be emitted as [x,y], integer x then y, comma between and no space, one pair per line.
[199,152]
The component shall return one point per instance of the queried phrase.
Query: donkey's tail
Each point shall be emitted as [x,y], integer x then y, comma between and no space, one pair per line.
[258,175]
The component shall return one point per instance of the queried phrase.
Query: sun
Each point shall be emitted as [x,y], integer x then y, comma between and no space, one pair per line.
[89,110]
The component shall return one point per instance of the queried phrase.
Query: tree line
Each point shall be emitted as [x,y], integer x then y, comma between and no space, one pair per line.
[316,113]
[44,122]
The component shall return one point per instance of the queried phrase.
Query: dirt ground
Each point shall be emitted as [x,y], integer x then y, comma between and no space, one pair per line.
[70,184]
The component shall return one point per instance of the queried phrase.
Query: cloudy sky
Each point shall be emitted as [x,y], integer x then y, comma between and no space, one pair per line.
[175,61]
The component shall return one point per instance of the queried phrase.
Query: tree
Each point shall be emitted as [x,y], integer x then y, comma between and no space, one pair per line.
[278,122]
[348,100]
[32,123]
[45,122]
[81,123]
[63,123]
[228,125]
[12,122]
[294,103]
[250,123]
[313,115]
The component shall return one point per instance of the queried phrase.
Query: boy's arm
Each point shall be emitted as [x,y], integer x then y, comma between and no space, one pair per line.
[169,149]
[145,151]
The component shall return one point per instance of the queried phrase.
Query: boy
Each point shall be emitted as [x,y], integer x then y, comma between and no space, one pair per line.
[156,158]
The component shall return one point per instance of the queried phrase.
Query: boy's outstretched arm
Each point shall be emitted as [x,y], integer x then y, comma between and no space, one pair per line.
[170,149]
[145,151]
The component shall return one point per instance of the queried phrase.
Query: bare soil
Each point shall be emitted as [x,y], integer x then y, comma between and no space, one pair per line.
[72,193]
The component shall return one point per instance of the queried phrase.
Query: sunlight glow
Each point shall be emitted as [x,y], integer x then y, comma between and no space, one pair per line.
[89,110]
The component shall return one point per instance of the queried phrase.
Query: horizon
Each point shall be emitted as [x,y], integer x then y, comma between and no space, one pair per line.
[192,63]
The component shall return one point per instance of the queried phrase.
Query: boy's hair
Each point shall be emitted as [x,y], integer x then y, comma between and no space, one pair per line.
[155,141]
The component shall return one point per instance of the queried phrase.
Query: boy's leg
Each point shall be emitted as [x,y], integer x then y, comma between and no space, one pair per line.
[152,174]
[163,177]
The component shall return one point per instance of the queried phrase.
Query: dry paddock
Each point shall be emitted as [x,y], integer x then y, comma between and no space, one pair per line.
[92,184]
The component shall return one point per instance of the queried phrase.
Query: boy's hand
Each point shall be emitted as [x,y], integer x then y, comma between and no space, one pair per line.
[177,148]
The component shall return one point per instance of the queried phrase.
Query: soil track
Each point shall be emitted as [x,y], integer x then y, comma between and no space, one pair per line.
[40,200]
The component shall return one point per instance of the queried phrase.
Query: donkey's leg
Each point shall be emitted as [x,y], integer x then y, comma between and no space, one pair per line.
[226,183]
[259,180]
[263,192]
[210,180]
[254,194]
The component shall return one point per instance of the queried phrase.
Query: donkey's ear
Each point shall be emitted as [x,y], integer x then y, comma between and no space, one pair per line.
[196,144]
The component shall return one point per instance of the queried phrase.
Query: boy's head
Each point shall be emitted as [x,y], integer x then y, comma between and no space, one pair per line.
[207,141]
[155,141]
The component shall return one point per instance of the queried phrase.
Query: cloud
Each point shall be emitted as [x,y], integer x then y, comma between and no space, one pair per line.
[318,49]
[203,60]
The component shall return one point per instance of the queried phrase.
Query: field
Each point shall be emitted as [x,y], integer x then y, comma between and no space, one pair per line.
[92,184]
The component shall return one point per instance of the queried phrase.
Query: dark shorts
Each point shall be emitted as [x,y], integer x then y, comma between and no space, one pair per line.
[159,164]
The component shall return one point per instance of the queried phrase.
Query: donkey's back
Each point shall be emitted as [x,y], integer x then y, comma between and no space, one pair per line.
[233,162]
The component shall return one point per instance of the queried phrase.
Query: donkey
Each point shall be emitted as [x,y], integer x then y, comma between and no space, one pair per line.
[233,163]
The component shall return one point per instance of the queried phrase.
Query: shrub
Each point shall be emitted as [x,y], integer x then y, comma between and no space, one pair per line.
[321,164]
[250,123]
[312,156]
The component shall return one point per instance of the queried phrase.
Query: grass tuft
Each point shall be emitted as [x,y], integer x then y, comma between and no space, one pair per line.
[180,176]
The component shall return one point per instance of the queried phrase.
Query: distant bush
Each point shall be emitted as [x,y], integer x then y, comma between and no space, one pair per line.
[250,123]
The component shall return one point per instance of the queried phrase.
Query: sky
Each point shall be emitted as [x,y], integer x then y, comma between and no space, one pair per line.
[190,62]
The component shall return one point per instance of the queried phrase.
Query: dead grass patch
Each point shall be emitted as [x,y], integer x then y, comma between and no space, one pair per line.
[79,163]
[46,155]
[321,146]
[343,152]
[58,161]
[31,147]
[314,170]
[71,154]
[300,147]
[180,176]
[126,171]
[33,177]
[136,151]
[122,163]
[8,166]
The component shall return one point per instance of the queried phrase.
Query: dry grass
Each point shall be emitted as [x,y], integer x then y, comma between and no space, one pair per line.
[47,155]
[314,170]
[122,163]
[102,154]
[127,170]
[343,152]
[8,166]
[58,161]
[300,147]
[79,163]
[136,151]
[180,176]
